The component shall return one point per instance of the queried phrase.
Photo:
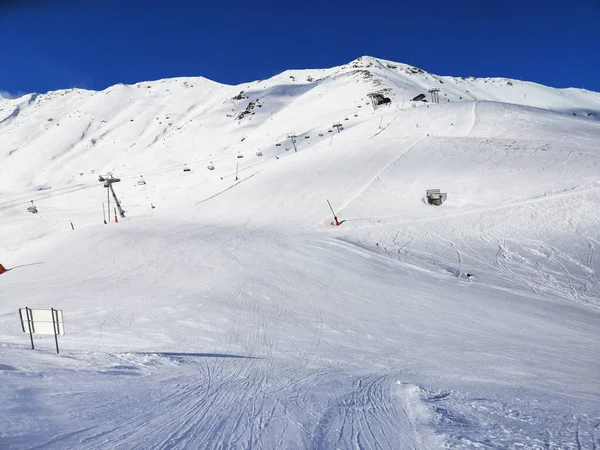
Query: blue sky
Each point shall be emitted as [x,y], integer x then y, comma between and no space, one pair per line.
[47,45]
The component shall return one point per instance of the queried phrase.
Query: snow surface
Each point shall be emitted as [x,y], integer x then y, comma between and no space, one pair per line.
[234,315]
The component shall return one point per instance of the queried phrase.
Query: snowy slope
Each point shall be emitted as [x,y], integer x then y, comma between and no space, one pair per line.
[234,315]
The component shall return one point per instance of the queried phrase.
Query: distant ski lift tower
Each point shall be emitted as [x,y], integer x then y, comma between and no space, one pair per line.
[293,139]
[435,97]
[108,181]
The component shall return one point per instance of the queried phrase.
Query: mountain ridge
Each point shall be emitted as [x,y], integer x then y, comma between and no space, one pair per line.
[354,64]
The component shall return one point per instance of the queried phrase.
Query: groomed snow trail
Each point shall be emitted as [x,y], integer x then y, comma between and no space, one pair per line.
[290,351]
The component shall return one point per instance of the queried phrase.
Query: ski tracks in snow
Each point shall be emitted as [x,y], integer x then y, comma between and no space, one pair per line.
[379,412]
[492,422]
[358,192]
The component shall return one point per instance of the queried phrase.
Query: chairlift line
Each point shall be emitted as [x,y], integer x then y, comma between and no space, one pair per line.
[82,186]
[161,170]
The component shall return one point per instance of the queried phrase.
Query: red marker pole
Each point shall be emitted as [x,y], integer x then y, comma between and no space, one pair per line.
[116,218]
[337,223]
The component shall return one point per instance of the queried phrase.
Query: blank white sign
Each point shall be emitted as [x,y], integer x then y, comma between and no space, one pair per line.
[42,321]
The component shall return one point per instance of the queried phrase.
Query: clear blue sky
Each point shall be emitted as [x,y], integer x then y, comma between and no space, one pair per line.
[47,45]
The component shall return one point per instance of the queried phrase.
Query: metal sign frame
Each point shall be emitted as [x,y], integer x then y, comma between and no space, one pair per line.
[28,323]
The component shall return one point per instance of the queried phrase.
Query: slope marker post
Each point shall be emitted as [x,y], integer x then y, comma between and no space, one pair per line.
[337,223]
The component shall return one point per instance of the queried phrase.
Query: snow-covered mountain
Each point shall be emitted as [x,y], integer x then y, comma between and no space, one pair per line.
[226,311]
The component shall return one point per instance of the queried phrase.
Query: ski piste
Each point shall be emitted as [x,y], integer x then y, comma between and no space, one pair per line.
[224,313]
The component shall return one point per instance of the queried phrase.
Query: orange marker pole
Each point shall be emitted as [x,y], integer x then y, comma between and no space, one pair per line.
[336,221]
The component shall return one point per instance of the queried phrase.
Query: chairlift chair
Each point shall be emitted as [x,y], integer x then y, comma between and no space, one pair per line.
[321,134]
[141,181]
[259,153]
[186,168]
[211,167]
[32,209]
[240,156]
[278,144]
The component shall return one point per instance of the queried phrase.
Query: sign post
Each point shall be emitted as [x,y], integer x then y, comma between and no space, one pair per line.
[29,324]
[55,325]
[42,321]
